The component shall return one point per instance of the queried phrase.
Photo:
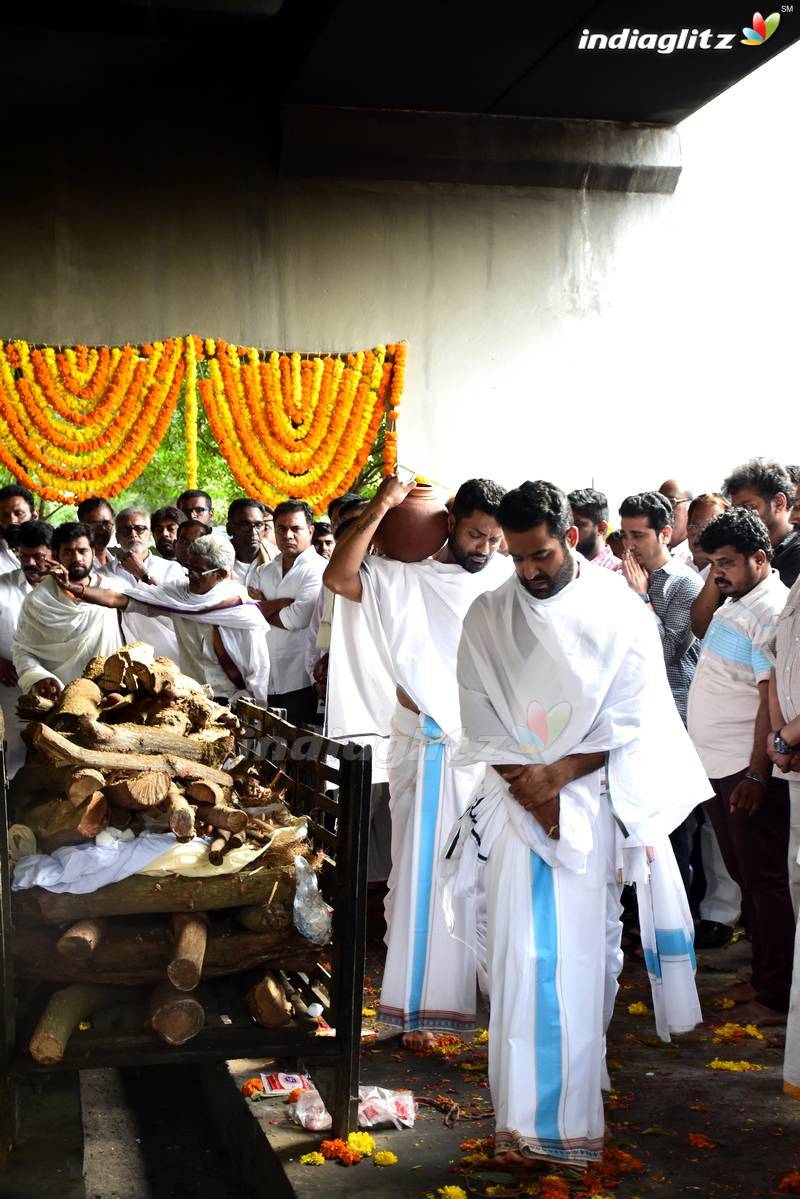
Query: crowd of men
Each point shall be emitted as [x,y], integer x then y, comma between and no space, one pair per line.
[555,710]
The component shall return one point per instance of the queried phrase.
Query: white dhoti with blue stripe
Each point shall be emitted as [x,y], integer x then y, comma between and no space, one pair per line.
[430,977]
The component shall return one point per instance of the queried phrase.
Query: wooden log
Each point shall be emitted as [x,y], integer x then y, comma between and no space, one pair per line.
[60,749]
[267,1003]
[268,916]
[118,669]
[79,700]
[191,935]
[221,816]
[82,783]
[211,747]
[81,939]
[216,850]
[180,814]
[169,717]
[157,675]
[138,951]
[211,794]
[145,790]
[172,893]
[120,817]
[56,823]
[235,841]
[76,785]
[63,1014]
[174,1015]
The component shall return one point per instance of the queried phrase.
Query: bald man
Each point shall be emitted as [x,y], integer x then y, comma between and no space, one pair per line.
[678,545]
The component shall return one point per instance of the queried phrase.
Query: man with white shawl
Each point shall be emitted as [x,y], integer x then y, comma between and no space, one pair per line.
[564,693]
[221,632]
[413,613]
[57,636]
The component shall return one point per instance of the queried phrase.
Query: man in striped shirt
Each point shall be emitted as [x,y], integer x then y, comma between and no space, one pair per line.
[728,720]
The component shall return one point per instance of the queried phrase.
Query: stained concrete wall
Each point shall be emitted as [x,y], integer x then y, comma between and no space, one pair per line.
[580,336]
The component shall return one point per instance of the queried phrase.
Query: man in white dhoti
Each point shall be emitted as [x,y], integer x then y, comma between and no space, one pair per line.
[221,632]
[415,611]
[57,636]
[563,692]
[33,550]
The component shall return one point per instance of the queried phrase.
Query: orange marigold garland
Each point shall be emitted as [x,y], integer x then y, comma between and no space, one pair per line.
[87,420]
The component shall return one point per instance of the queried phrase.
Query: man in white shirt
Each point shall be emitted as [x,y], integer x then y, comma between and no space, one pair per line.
[134,561]
[17,506]
[246,527]
[290,588]
[679,500]
[33,551]
[728,720]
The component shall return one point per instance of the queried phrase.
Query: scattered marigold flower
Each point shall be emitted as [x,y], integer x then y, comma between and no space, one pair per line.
[294,1095]
[481,1037]
[368,1011]
[451,1192]
[253,1086]
[312,1159]
[638,1009]
[384,1157]
[554,1187]
[723,1005]
[732,1034]
[698,1140]
[474,1159]
[789,1184]
[361,1142]
[733,1067]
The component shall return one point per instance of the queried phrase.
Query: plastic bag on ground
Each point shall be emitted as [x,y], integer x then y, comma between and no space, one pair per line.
[377,1107]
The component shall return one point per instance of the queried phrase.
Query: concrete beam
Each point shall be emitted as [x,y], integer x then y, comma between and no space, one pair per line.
[444,147]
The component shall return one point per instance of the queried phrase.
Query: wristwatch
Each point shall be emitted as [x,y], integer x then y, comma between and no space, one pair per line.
[781,746]
[645,598]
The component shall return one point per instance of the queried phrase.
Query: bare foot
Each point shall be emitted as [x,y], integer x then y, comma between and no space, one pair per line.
[418,1040]
[760,1015]
[512,1159]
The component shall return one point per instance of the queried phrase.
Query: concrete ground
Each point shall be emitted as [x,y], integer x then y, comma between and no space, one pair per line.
[676,1126]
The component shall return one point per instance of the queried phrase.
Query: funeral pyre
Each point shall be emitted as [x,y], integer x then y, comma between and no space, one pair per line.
[129,752]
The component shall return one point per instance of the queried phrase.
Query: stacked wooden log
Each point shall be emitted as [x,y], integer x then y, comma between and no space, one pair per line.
[136,746]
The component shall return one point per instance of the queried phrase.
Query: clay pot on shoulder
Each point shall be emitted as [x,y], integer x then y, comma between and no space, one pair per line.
[415,529]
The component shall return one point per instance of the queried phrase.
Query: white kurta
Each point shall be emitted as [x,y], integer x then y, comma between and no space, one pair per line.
[227,608]
[287,646]
[581,672]
[413,612]
[136,626]
[13,589]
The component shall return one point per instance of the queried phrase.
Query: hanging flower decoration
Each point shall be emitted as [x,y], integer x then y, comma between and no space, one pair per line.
[87,420]
[304,427]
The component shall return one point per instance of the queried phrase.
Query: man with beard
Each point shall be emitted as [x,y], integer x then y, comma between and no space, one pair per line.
[164,524]
[563,696]
[247,527]
[56,637]
[729,721]
[98,517]
[221,633]
[17,506]
[188,532]
[33,551]
[590,517]
[413,613]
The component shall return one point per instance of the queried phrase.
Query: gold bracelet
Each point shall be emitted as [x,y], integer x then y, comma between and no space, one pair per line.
[552,829]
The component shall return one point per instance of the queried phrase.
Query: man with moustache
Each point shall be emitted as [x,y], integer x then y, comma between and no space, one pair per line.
[702,511]
[17,506]
[564,699]
[729,721]
[33,551]
[55,636]
[590,516]
[413,613]
[679,501]
[164,525]
[133,561]
[188,532]
[98,516]
[247,527]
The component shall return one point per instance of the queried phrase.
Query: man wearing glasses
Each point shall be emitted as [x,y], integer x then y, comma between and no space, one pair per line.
[250,526]
[134,562]
[680,500]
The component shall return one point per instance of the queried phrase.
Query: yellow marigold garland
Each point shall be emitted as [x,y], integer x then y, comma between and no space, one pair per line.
[87,420]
